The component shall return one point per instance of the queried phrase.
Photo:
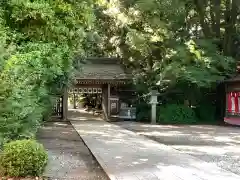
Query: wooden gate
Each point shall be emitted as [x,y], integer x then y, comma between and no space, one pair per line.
[58,108]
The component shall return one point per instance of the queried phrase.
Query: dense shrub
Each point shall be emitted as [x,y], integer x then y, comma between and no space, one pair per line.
[206,113]
[22,97]
[177,114]
[23,158]
[143,112]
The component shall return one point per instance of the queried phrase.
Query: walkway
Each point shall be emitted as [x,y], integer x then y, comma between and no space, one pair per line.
[69,158]
[125,155]
[216,144]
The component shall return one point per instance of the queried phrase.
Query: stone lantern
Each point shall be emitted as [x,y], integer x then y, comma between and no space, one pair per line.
[153,101]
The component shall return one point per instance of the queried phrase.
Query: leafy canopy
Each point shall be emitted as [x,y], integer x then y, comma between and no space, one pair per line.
[164,41]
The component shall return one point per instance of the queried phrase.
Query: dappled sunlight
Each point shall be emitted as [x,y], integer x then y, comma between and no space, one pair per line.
[191,172]
[161,127]
[217,134]
[157,133]
[214,144]
[135,162]
[145,160]
[203,149]
[205,127]
[120,148]
[66,132]
[126,153]
[107,125]
[93,132]
[224,139]
[81,115]
[60,124]
[204,135]
[78,118]
[176,169]
[118,157]
[46,128]
[113,142]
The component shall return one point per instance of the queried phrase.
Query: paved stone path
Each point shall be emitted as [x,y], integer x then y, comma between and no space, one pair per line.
[69,158]
[125,155]
[216,144]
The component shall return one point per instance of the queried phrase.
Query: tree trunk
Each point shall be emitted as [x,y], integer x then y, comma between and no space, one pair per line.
[230,26]
[200,7]
[217,11]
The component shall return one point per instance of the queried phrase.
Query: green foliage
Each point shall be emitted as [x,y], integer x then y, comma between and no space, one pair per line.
[168,44]
[23,158]
[177,114]
[38,42]
[143,112]
[171,45]
[196,63]
[26,98]
[206,112]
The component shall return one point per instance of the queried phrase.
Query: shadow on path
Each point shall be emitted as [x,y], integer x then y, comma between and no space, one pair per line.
[126,155]
[82,115]
[215,144]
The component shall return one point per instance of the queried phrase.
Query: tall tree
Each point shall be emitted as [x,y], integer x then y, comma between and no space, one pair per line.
[168,42]
[219,19]
[45,36]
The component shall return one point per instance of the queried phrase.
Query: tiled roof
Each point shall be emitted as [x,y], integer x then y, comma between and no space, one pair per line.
[102,69]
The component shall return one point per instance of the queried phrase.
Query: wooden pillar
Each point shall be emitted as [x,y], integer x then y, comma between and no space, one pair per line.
[65,104]
[74,101]
[108,96]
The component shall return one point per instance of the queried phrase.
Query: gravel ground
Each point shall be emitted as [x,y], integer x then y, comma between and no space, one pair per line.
[217,144]
[69,158]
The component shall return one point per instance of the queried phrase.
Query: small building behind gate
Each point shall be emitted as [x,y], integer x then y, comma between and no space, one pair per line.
[110,83]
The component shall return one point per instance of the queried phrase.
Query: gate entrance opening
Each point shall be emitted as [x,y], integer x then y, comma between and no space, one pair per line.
[89,98]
